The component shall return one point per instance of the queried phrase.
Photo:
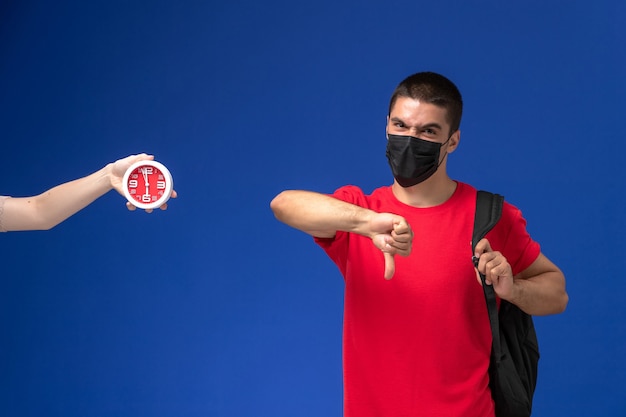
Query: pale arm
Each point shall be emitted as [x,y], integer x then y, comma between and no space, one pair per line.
[44,211]
[322,216]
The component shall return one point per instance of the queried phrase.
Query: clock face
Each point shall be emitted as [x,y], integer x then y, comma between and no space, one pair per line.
[147,184]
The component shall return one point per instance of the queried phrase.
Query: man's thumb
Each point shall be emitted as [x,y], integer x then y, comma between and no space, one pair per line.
[390,266]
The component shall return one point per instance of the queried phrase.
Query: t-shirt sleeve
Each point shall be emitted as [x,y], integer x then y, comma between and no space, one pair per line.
[337,247]
[518,247]
[2,198]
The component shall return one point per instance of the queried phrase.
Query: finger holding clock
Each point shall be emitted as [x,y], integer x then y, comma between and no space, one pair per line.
[132,207]
[174,195]
[119,167]
[164,206]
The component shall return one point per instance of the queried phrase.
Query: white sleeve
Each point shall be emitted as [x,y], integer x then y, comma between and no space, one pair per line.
[2,198]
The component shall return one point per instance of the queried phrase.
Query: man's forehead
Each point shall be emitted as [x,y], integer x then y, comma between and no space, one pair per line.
[407,109]
[408,103]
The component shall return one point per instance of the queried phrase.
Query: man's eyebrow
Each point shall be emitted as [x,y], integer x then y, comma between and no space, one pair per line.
[426,126]
[431,125]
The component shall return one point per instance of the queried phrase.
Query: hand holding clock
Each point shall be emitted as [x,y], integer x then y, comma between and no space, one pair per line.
[46,210]
[124,175]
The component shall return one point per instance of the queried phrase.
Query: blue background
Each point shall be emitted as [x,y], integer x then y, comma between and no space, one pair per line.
[234,313]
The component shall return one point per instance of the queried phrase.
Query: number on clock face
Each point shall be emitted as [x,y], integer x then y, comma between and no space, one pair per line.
[146,184]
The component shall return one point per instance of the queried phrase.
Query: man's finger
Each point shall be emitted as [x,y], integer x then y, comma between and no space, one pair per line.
[401,227]
[482,247]
[390,266]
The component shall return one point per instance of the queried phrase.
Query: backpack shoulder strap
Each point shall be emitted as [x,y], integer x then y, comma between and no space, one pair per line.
[488,212]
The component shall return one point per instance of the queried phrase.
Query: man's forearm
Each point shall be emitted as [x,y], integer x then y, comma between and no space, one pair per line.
[541,295]
[318,214]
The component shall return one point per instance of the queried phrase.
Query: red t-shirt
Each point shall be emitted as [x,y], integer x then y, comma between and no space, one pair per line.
[419,344]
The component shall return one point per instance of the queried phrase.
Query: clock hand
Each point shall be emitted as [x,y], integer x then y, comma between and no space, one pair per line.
[144,171]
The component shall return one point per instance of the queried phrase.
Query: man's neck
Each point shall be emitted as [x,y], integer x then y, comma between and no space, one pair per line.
[432,192]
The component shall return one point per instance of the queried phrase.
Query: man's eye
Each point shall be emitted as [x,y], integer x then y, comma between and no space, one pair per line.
[430,132]
[399,124]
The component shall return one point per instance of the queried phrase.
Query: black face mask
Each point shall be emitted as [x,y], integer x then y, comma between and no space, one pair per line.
[412,160]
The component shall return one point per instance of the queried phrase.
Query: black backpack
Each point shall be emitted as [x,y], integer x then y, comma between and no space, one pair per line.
[515,351]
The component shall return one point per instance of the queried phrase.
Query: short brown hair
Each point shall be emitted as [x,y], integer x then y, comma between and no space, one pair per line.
[435,89]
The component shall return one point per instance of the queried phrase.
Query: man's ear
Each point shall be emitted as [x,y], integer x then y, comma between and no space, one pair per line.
[454,141]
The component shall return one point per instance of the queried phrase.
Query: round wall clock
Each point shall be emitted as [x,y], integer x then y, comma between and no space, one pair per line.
[147,184]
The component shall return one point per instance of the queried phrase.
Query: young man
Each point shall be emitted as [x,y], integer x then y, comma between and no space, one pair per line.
[417,342]
[50,208]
